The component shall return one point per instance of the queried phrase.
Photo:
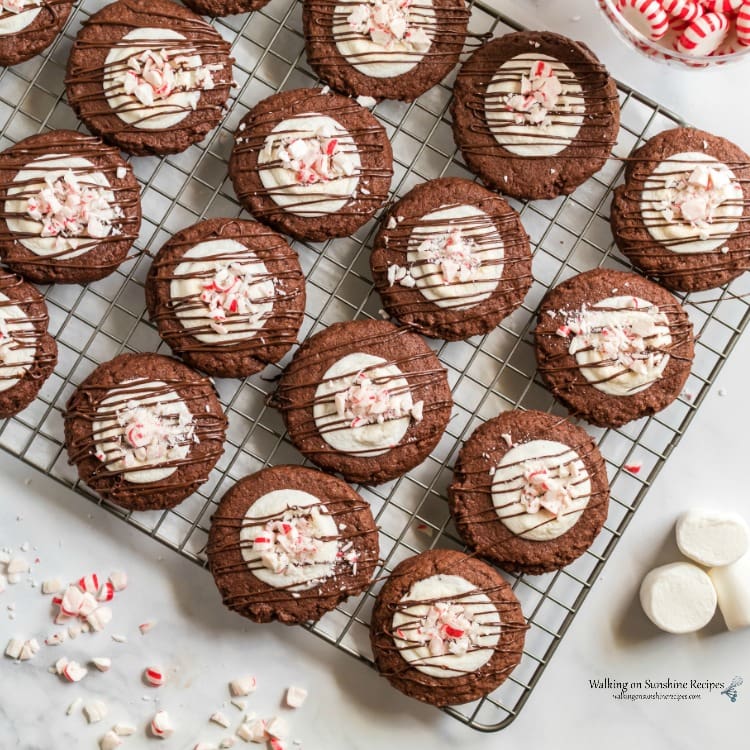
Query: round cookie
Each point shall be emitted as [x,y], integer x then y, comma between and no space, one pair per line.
[530,491]
[535,114]
[144,431]
[311,164]
[228,296]
[149,76]
[224,7]
[709,177]
[71,208]
[365,399]
[386,49]
[451,259]
[446,628]
[27,27]
[290,543]
[28,354]
[613,346]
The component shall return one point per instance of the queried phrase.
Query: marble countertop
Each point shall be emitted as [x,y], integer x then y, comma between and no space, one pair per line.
[350,707]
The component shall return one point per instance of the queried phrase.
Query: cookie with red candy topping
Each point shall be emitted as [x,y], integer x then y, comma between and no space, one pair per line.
[451,259]
[311,163]
[290,543]
[149,76]
[227,295]
[384,49]
[535,114]
[144,431]
[529,491]
[683,214]
[71,208]
[27,27]
[446,628]
[613,346]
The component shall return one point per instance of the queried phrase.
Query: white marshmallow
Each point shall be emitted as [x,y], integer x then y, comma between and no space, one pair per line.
[732,583]
[712,537]
[678,598]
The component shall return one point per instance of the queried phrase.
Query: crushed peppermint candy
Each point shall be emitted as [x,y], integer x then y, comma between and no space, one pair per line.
[391,23]
[320,157]
[540,95]
[234,291]
[150,433]
[370,401]
[295,696]
[693,197]
[153,75]
[244,685]
[445,628]
[633,468]
[68,206]
[455,255]
[161,725]
[548,487]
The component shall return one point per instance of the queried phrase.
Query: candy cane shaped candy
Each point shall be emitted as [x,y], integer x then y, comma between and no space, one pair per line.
[743,24]
[647,16]
[704,35]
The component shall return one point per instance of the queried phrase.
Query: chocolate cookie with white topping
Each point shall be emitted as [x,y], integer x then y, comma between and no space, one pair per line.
[27,27]
[365,399]
[530,491]
[70,208]
[224,7]
[535,114]
[613,346]
[290,543]
[683,214]
[386,49]
[227,295]
[451,259]
[28,354]
[314,165]
[144,431]
[149,76]
[446,628]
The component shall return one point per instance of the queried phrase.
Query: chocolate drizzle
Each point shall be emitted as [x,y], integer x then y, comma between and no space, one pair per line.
[124,379]
[103,32]
[101,255]
[230,358]
[32,39]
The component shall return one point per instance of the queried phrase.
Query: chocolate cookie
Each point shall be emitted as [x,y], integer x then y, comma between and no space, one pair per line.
[290,543]
[224,7]
[451,259]
[386,49]
[613,346]
[314,165]
[144,431]
[71,207]
[683,214]
[28,354]
[530,491]
[29,26]
[149,76]
[446,628]
[228,296]
[366,399]
[535,114]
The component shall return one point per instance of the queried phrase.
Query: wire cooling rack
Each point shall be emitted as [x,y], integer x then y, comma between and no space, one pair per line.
[496,372]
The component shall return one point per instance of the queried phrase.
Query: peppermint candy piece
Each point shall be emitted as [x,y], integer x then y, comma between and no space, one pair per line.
[154,676]
[647,17]
[704,35]
[161,725]
[109,741]
[295,696]
[243,685]
[743,24]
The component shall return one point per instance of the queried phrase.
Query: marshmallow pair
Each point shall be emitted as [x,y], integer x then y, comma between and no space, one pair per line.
[681,597]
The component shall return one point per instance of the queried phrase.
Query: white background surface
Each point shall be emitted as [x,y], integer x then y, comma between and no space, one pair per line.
[351,708]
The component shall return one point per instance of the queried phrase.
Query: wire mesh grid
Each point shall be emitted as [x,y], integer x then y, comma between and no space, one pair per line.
[488,374]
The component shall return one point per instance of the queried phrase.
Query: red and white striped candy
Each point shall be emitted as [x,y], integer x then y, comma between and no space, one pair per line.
[647,16]
[721,6]
[89,583]
[106,592]
[743,24]
[685,10]
[88,605]
[161,725]
[704,35]
[154,676]
[74,672]
[119,580]
[71,601]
